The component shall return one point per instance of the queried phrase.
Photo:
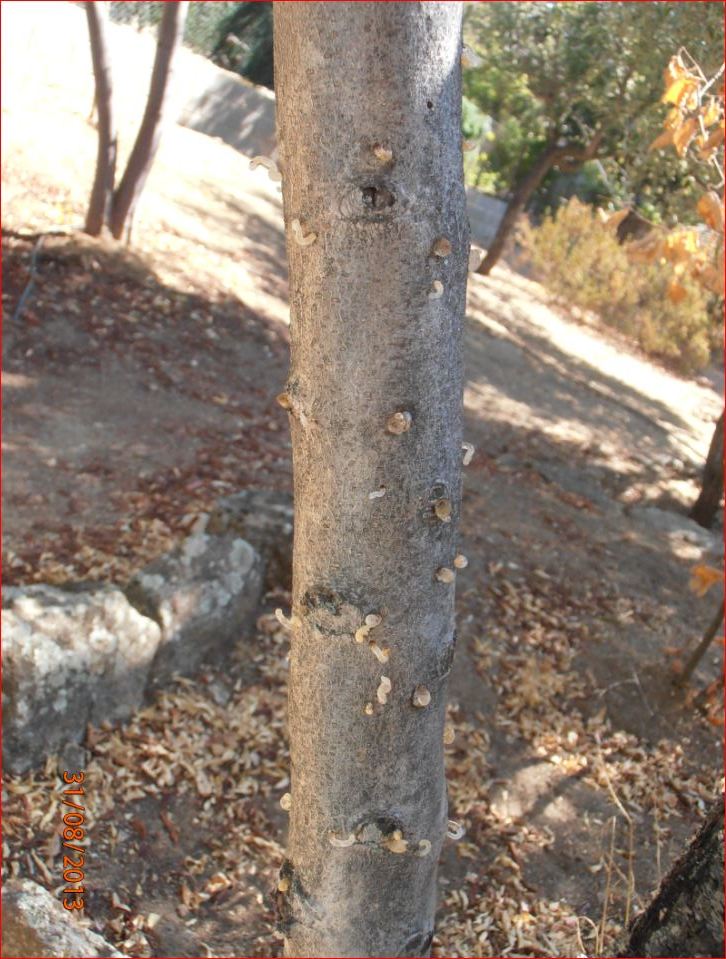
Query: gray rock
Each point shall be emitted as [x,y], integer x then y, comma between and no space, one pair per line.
[73,757]
[674,524]
[70,657]
[578,480]
[265,519]
[203,596]
[36,924]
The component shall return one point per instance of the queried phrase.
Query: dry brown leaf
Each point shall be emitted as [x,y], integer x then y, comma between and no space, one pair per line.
[683,135]
[676,293]
[673,71]
[713,142]
[680,89]
[663,140]
[711,113]
[710,209]
[703,578]
[712,278]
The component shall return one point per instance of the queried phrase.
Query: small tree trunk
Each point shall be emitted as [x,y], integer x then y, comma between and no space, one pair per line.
[686,917]
[368,114]
[99,205]
[706,506]
[568,158]
[144,150]
[518,201]
[700,651]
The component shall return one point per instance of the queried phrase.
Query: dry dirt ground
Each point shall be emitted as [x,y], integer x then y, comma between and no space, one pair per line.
[139,387]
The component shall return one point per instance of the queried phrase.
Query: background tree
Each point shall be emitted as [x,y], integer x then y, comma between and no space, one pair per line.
[567,83]
[685,917]
[141,158]
[378,243]
[100,203]
[709,499]
[115,207]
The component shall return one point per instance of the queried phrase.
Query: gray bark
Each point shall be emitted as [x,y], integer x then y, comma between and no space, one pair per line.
[686,916]
[141,158]
[375,396]
[99,205]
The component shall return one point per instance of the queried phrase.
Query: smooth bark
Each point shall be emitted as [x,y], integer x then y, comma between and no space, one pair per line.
[686,916]
[709,499]
[368,113]
[568,158]
[141,158]
[99,205]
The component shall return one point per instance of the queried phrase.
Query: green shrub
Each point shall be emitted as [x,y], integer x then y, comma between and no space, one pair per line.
[582,264]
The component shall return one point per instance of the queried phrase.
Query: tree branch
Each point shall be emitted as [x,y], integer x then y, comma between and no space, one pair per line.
[572,158]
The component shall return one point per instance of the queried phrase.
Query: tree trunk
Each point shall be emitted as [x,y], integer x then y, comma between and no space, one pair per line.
[517,202]
[368,114]
[99,205]
[700,651]
[706,506]
[686,916]
[144,150]
[567,157]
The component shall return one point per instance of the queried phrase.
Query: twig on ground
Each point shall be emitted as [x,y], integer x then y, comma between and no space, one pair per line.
[631,832]
[30,285]
[636,680]
[599,942]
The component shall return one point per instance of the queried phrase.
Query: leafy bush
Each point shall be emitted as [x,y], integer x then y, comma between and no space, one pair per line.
[580,262]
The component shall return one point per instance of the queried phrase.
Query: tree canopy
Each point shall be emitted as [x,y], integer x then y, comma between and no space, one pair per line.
[563,71]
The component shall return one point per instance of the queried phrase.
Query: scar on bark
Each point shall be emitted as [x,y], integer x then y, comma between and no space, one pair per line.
[438,509]
[291,401]
[418,944]
[377,197]
[291,898]
[329,613]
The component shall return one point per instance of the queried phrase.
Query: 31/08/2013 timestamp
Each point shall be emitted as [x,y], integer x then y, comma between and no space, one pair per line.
[73,837]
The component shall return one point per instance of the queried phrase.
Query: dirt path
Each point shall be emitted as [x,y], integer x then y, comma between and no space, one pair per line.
[139,387]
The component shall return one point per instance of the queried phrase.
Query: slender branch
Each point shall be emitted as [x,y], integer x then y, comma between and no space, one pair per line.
[30,285]
[714,78]
[700,650]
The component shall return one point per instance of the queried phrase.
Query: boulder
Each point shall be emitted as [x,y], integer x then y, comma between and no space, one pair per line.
[36,924]
[203,595]
[265,519]
[70,656]
[675,525]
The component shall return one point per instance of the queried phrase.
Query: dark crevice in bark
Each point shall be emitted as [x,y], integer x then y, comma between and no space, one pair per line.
[377,198]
